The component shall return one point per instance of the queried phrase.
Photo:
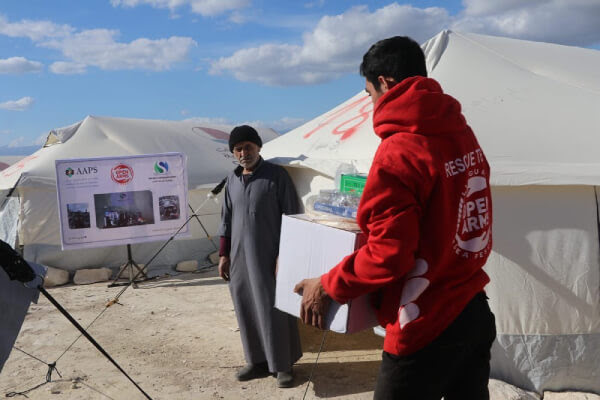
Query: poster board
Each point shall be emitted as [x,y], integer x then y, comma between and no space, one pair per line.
[107,201]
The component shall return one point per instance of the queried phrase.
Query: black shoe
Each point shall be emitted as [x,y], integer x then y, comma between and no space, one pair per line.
[285,379]
[253,371]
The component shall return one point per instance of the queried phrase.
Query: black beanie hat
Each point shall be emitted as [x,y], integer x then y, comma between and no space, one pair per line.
[243,133]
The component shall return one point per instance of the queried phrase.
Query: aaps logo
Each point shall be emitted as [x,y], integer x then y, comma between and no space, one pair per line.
[161,167]
[121,173]
[80,171]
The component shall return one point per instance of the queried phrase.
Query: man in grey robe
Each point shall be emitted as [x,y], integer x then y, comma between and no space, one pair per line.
[256,195]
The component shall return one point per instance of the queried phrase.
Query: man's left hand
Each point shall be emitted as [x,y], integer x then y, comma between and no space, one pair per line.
[315,302]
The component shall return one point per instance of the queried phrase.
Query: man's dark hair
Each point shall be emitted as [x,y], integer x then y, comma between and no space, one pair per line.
[398,57]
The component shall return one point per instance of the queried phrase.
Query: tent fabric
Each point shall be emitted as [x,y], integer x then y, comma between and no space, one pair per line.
[544,288]
[7,161]
[343,135]
[9,220]
[207,149]
[524,101]
[34,181]
[534,109]
[529,98]
[551,255]
[553,363]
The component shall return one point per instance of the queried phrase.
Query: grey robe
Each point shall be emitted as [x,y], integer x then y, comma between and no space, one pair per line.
[251,217]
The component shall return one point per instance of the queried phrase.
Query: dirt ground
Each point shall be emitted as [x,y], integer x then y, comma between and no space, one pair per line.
[177,337]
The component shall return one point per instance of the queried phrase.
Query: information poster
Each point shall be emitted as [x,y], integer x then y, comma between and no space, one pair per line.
[109,201]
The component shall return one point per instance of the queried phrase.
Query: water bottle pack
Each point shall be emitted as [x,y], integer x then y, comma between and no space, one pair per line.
[335,202]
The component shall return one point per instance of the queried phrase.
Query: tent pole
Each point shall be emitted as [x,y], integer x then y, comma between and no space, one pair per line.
[10,192]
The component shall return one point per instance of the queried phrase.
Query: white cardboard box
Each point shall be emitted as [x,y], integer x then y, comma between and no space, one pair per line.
[308,249]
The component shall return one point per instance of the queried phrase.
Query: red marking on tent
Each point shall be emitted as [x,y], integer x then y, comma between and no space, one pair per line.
[349,131]
[215,133]
[352,111]
[19,165]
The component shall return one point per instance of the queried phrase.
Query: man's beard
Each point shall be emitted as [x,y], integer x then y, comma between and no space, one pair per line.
[249,163]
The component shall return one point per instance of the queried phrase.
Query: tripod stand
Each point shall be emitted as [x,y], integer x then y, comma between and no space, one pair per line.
[129,265]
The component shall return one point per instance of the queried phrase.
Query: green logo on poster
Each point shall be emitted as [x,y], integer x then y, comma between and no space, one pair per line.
[160,167]
[69,172]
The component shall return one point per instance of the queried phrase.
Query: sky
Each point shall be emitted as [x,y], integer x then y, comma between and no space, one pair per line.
[276,63]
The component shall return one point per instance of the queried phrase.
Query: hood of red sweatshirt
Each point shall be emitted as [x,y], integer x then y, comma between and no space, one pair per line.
[417,105]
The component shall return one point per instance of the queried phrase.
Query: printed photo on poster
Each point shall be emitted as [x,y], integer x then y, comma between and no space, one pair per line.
[78,215]
[121,209]
[168,207]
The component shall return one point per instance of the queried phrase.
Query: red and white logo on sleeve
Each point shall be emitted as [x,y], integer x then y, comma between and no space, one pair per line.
[414,286]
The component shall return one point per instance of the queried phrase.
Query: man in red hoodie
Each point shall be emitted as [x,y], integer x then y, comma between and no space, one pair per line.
[427,214]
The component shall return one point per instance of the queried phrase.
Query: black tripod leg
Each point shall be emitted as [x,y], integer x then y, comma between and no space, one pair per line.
[121,270]
[129,265]
[88,336]
[140,270]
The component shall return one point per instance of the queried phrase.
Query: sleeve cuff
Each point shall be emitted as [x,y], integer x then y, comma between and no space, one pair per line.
[224,246]
[325,282]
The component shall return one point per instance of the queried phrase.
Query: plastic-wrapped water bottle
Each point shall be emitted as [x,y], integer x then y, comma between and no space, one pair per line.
[334,202]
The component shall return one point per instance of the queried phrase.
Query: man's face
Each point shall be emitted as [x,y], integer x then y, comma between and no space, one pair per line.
[247,153]
[385,84]
[374,93]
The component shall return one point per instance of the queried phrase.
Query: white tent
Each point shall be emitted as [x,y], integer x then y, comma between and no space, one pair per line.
[6,161]
[28,198]
[535,108]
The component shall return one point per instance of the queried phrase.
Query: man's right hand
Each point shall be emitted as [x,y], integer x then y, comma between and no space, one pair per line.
[224,263]
[315,302]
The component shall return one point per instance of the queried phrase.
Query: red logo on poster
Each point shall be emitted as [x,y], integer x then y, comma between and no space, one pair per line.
[122,174]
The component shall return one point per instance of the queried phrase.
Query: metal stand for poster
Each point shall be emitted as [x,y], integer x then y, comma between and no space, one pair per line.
[141,271]
[129,265]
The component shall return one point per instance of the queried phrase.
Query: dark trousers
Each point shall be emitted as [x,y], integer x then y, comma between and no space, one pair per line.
[456,365]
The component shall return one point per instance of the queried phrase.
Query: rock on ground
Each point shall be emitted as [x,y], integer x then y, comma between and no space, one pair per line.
[87,276]
[55,277]
[187,266]
[500,390]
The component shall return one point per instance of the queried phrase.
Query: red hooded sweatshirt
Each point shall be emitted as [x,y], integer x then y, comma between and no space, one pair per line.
[426,212]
